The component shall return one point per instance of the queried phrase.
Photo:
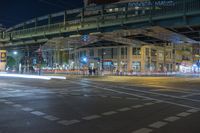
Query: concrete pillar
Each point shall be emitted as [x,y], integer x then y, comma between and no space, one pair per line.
[95,52]
[119,59]
[143,59]
[96,65]
[129,58]
[58,56]
[55,57]
[65,57]
[87,52]
[77,58]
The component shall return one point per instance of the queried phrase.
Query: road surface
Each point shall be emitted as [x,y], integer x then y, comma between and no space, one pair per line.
[100,105]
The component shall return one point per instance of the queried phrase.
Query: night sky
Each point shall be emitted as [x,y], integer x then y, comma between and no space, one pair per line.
[15,11]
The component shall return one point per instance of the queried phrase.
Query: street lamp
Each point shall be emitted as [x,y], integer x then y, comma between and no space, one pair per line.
[85,60]
[15,52]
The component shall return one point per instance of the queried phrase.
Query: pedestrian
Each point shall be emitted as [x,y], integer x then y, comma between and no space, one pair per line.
[94,71]
[90,71]
[117,72]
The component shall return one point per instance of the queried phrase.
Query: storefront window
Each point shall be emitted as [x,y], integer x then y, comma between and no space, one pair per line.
[168,54]
[136,65]
[153,52]
[160,56]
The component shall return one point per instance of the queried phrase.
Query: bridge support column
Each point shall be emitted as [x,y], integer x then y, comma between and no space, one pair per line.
[96,62]
[129,58]
[119,58]
[57,57]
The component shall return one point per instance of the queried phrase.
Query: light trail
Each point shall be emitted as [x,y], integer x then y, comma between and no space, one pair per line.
[31,76]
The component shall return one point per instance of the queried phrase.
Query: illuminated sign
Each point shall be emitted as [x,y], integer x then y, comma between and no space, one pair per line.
[3,56]
[149,3]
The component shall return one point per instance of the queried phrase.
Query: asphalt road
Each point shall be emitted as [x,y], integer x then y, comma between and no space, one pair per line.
[100,105]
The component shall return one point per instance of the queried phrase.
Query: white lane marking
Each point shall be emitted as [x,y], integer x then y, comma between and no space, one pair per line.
[3,100]
[166,90]
[8,102]
[75,94]
[159,86]
[137,106]
[150,103]
[51,118]
[27,109]
[17,106]
[139,96]
[193,110]
[103,96]
[183,114]
[172,119]
[63,93]
[147,92]
[149,98]
[63,122]
[86,95]
[114,97]
[38,113]
[157,101]
[109,113]
[143,130]
[91,117]
[67,123]
[165,87]
[144,99]
[159,94]
[158,124]
[131,98]
[124,109]
[192,94]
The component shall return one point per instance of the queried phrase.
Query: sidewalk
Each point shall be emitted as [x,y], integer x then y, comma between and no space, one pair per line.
[74,76]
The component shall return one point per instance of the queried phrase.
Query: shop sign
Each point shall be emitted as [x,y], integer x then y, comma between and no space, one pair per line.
[3,56]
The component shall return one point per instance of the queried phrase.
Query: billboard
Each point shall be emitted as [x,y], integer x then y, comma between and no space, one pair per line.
[3,56]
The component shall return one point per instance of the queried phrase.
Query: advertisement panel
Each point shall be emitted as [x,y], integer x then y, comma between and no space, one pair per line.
[3,58]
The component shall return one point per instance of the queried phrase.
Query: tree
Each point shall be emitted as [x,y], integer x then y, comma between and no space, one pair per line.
[11,62]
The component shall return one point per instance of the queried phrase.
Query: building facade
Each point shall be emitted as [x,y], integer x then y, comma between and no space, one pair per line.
[147,58]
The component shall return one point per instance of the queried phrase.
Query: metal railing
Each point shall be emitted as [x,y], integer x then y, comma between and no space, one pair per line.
[107,15]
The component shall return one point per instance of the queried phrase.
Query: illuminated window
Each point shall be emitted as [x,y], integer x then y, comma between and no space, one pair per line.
[136,51]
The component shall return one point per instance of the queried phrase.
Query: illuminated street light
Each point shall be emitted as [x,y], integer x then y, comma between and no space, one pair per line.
[85,59]
[15,52]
